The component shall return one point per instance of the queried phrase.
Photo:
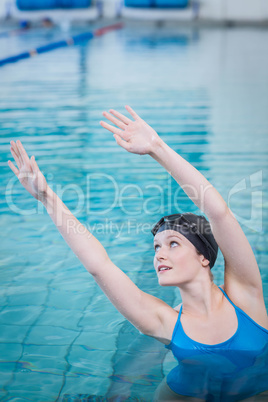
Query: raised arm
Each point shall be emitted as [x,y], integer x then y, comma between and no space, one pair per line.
[141,309]
[242,276]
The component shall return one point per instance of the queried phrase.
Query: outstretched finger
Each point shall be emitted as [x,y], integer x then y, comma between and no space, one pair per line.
[115,121]
[133,114]
[110,128]
[120,116]
[16,152]
[13,168]
[34,165]
[15,156]
[23,154]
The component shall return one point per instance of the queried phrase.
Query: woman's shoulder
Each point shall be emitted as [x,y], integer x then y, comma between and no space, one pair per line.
[253,307]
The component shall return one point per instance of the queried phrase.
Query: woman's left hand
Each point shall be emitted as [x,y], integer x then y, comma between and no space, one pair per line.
[134,136]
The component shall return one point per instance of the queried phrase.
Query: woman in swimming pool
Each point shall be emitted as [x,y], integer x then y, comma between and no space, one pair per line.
[216,338]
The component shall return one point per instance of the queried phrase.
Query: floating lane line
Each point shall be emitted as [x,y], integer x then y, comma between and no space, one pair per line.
[62,43]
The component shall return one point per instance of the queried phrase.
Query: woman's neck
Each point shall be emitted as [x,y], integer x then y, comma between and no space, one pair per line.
[200,298]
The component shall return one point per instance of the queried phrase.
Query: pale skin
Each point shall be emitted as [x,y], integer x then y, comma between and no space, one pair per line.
[207,316]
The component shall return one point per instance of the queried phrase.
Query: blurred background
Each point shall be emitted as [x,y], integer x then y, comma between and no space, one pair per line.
[197,71]
[254,11]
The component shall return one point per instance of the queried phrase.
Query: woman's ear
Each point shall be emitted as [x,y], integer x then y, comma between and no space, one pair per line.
[204,261]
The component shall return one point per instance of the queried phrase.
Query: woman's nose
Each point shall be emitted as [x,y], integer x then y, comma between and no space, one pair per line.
[161,255]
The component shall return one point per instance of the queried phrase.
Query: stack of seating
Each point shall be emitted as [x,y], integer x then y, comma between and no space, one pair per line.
[157,3]
[51,4]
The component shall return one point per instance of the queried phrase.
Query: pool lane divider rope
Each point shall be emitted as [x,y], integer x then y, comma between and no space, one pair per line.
[62,43]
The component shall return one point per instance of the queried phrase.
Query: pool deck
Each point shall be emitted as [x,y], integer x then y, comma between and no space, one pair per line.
[193,14]
[92,13]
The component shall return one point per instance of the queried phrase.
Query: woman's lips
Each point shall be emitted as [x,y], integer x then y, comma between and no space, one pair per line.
[163,268]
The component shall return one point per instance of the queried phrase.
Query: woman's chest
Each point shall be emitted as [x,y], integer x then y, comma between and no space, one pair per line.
[217,328]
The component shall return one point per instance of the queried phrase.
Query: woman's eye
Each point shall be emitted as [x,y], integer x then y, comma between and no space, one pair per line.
[174,243]
[156,248]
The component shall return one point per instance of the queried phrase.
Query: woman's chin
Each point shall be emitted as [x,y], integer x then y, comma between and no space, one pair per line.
[164,282]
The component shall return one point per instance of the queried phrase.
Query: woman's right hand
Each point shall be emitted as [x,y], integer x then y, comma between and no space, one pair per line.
[28,172]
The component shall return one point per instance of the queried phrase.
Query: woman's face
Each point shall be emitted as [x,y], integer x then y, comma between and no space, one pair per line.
[176,260]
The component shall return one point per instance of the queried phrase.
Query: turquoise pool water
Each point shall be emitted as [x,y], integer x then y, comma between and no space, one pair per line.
[205,92]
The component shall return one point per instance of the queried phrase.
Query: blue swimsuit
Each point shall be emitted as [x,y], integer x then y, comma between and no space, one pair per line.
[228,371]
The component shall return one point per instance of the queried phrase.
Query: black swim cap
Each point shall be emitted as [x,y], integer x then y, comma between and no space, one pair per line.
[195,228]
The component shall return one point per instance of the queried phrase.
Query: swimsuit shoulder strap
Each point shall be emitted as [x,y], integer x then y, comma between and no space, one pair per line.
[240,313]
[178,323]
[227,297]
